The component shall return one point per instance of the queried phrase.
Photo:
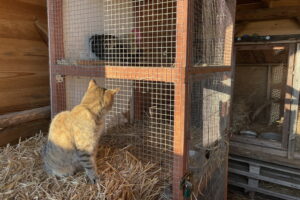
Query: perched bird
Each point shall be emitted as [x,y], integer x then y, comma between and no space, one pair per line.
[112,48]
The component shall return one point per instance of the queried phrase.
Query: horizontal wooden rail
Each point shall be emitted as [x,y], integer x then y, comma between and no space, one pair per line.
[15,118]
[163,74]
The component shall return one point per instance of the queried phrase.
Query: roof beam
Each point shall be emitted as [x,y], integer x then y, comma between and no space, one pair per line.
[281,3]
[268,14]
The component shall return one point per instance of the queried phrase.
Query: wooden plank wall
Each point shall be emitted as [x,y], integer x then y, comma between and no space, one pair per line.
[24,78]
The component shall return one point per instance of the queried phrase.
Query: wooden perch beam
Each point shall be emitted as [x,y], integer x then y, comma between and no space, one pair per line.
[15,118]
[268,14]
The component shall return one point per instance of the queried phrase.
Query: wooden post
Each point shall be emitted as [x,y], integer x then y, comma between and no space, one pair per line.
[183,61]
[294,104]
[288,95]
[56,46]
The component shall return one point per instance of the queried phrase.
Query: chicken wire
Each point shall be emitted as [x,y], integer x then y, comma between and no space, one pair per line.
[259,105]
[142,116]
[210,100]
[211,44]
[119,33]
[105,40]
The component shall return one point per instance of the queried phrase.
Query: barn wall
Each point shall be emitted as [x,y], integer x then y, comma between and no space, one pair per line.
[24,77]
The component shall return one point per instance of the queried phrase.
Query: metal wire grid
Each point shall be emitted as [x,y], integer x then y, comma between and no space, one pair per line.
[210,21]
[209,99]
[119,33]
[149,104]
[213,191]
[142,116]
[279,77]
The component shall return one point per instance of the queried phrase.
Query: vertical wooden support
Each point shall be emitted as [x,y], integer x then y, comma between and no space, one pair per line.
[181,96]
[56,46]
[229,60]
[253,183]
[229,32]
[294,104]
[288,95]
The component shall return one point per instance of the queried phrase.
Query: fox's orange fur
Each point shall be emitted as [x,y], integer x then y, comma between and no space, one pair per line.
[74,135]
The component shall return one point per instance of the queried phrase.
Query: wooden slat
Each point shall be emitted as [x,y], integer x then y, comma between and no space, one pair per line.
[266,165]
[294,103]
[264,178]
[263,153]
[263,191]
[268,14]
[165,74]
[281,3]
[18,29]
[129,73]
[11,80]
[257,141]
[12,134]
[20,10]
[22,99]
[181,99]
[255,46]
[19,48]
[24,74]
[288,95]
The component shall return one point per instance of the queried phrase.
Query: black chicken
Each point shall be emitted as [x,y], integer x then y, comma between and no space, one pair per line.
[109,47]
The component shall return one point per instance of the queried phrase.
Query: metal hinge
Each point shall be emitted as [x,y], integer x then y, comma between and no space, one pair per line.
[59,78]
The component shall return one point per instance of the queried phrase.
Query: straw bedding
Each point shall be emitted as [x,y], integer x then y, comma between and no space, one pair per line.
[123,176]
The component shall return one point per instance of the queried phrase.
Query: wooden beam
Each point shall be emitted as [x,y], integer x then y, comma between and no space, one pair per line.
[15,118]
[11,135]
[288,95]
[294,104]
[281,3]
[246,6]
[265,154]
[268,14]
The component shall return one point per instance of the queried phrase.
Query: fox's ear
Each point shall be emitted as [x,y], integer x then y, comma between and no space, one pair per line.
[92,83]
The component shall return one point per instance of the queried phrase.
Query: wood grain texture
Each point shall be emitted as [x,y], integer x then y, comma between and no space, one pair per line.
[15,118]
[12,135]
[24,72]
[268,14]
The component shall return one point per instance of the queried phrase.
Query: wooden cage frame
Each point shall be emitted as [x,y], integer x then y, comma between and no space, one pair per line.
[271,151]
[179,75]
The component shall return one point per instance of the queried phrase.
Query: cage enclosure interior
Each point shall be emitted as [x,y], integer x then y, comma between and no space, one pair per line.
[172,61]
[263,76]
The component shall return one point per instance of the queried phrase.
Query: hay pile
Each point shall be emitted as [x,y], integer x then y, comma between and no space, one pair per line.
[123,176]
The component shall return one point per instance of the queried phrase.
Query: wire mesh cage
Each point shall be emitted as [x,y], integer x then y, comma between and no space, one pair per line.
[259,105]
[210,100]
[146,49]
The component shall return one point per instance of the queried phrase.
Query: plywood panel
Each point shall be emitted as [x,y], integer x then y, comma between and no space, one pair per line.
[24,73]
[11,135]
[273,27]
[20,10]
[16,48]
[25,98]
[20,29]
